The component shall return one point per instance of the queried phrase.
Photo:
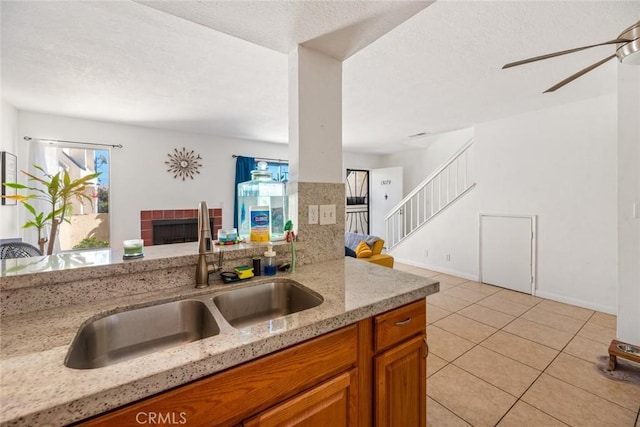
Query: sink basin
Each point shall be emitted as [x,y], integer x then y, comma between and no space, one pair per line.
[121,336]
[254,304]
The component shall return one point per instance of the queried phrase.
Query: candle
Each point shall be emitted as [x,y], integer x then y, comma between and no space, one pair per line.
[133,247]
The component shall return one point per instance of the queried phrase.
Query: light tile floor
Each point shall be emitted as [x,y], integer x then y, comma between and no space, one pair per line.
[504,358]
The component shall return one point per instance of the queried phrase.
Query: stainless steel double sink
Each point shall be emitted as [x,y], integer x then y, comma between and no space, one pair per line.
[128,334]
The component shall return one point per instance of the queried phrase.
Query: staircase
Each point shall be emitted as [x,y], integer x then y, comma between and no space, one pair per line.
[433,195]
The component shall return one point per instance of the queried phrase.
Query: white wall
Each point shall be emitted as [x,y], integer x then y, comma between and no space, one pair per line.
[139,180]
[315,117]
[139,177]
[363,161]
[420,163]
[628,196]
[559,164]
[8,137]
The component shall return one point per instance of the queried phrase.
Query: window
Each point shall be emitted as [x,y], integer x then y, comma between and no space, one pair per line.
[279,170]
[88,222]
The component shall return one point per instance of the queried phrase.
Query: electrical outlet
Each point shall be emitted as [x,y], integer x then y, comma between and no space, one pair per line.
[426,252]
[448,257]
[313,214]
[327,214]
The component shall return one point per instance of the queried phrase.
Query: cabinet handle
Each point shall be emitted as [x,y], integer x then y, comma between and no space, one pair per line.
[426,345]
[404,322]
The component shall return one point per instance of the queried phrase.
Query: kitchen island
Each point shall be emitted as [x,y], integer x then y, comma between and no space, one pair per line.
[38,389]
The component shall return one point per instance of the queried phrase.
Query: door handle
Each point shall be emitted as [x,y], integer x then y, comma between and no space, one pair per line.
[426,345]
[404,322]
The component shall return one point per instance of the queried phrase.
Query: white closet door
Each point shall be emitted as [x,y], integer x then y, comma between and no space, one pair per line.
[507,251]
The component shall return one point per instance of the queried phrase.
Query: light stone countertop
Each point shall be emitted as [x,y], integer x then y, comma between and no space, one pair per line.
[75,265]
[37,389]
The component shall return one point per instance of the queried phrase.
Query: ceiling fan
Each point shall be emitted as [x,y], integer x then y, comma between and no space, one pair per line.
[628,46]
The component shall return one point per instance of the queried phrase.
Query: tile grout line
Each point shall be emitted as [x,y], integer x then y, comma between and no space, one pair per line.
[574,385]
[541,372]
[518,398]
[544,371]
[478,344]
[449,410]
[489,336]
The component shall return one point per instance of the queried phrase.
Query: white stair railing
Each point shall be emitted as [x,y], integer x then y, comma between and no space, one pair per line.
[433,195]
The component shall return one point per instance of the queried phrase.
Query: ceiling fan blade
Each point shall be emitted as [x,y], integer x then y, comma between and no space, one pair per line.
[579,74]
[564,52]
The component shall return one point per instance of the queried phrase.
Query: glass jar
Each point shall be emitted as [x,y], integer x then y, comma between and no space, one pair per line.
[262,190]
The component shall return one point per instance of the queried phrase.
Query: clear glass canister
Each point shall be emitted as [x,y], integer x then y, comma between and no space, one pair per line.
[262,190]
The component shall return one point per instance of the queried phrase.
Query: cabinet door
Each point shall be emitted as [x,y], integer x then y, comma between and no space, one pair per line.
[332,403]
[400,385]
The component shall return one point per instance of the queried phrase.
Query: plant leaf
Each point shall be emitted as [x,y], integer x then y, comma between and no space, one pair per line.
[30,208]
[15,185]
[35,178]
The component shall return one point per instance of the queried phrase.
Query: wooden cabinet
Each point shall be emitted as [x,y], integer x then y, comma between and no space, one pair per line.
[232,396]
[333,403]
[370,373]
[399,367]
[401,388]
[398,325]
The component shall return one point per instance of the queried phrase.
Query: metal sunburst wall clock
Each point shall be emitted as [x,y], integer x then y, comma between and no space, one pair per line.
[183,164]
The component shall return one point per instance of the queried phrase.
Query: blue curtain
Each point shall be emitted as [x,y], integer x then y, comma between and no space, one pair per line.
[244,166]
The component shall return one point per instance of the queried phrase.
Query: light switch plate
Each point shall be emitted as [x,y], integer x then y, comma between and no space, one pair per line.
[313,214]
[327,214]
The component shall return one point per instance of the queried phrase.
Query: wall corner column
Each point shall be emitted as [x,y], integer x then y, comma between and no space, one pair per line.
[315,150]
[628,202]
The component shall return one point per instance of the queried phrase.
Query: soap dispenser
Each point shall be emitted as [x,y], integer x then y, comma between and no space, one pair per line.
[270,261]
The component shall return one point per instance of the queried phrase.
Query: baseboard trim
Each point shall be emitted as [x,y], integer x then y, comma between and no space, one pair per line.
[576,301]
[438,268]
[539,293]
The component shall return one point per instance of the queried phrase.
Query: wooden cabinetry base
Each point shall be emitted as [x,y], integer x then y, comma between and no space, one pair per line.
[372,373]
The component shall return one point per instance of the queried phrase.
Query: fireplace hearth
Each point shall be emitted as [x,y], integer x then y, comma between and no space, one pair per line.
[161,227]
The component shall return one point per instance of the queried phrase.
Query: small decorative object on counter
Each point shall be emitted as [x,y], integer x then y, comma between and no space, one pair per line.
[262,191]
[229,276]
[227,237]
[257,267]
[270,261]
[133,249]
[291,237]
[244,272]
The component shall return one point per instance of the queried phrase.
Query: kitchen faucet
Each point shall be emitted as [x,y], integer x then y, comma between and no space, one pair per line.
[203,268]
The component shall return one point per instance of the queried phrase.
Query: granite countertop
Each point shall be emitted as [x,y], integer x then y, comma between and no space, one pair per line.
[37,389]
[74,265]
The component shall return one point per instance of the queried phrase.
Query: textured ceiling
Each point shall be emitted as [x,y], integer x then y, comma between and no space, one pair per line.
[338,29]
[439,70]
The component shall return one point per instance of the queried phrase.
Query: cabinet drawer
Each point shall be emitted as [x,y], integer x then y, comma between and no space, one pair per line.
[399,324]
[228,397]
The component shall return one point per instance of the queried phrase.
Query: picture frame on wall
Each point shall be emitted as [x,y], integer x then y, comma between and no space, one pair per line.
[9,174]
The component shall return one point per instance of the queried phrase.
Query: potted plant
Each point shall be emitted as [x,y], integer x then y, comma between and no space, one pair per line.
[57,191]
